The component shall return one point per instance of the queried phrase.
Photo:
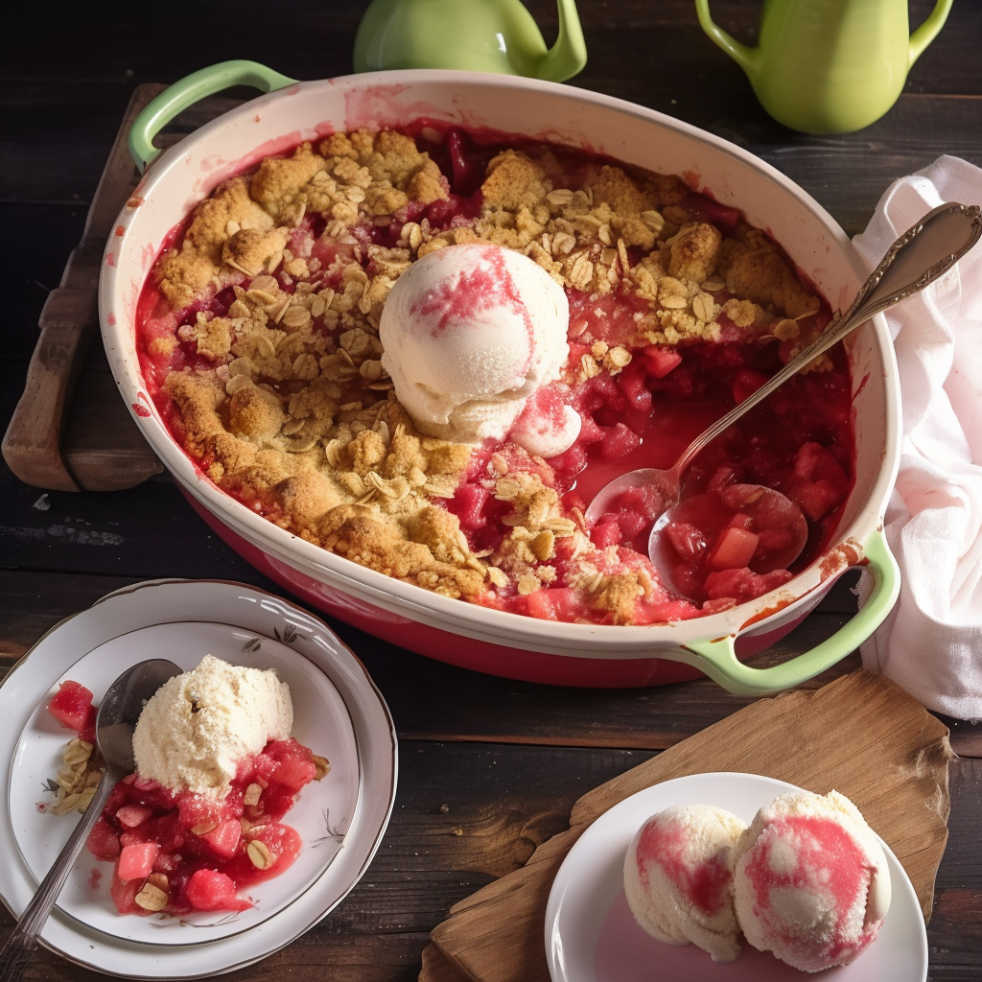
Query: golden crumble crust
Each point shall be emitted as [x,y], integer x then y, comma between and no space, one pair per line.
[618,594]
[292,411]
[754,268]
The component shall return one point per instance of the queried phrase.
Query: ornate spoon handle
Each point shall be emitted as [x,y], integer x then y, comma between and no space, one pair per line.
[922,254]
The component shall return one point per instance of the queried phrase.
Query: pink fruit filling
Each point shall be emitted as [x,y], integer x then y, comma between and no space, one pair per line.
[177,851]
[721,550]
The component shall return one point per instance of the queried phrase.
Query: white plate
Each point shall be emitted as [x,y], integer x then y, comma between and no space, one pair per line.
[321,814]
[338,713]
[591,936]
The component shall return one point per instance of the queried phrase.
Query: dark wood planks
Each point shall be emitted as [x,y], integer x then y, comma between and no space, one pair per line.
[433,701]
[515,798]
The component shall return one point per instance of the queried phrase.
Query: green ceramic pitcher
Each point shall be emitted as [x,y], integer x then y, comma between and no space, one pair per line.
[479,35]
[829,66]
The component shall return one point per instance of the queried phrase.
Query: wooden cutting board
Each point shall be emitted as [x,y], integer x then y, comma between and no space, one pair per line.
[70,430]
[860,734]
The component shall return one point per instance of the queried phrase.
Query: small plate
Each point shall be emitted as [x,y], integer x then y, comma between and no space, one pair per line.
[321,814]
[338,713]
[591,936]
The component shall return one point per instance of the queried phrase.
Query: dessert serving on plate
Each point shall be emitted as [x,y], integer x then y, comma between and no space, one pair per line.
[807,881]
[425,350]
[216,771]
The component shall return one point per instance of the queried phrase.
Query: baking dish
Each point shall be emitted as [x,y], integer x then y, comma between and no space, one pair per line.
[452,630]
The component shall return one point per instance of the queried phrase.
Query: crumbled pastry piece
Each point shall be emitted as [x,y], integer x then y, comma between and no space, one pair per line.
[391,159]
[513,181]
[694,250]
[356,533]
[754,268]
[189,271]
[253,252]
[279,182]
[618,594]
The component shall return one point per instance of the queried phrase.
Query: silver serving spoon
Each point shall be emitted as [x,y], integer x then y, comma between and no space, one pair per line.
[918,257]
[118,713]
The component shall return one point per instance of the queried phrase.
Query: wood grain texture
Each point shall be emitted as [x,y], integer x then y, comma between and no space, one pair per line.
[860,734]
[37,444]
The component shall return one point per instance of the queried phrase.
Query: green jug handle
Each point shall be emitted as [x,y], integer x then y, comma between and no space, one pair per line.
[188,90]
[719,661]
[928,31]
[744,56]
[567,57]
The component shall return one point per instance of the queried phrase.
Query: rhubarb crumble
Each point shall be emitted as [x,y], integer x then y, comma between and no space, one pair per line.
[259,337]
[201,817]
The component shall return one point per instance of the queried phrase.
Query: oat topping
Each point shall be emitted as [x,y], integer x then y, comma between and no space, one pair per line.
[275,292]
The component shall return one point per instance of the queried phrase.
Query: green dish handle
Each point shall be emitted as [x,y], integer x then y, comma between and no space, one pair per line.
[187,91]
[719,661]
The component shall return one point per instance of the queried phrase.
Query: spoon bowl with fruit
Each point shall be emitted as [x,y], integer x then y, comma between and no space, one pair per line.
[743,526]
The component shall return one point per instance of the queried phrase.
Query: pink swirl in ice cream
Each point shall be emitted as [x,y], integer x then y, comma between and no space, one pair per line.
[811,881]
[677,878]
[469,334]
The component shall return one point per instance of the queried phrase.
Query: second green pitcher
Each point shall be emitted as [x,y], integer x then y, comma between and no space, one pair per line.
[829,66]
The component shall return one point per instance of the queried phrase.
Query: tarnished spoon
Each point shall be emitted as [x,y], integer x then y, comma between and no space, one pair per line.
[118,713]
[918,257]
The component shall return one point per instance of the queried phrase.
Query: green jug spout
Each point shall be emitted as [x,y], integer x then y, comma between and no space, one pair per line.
[479,35]
[567,57]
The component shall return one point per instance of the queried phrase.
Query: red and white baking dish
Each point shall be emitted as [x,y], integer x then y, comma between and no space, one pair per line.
[451,630]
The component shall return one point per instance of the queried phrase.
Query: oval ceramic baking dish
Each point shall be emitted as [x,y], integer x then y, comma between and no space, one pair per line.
[452,630]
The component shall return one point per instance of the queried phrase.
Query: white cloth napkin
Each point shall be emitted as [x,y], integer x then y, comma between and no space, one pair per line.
[931,644]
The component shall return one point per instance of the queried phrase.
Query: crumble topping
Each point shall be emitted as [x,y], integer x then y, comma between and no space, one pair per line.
[283,398]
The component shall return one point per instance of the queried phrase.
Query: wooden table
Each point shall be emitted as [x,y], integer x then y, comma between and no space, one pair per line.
[488,767]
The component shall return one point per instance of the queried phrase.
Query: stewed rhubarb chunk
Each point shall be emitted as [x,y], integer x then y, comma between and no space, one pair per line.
[177,852]
[72,706]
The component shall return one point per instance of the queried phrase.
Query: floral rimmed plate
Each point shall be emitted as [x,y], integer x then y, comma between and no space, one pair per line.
[591,936]
[338,712]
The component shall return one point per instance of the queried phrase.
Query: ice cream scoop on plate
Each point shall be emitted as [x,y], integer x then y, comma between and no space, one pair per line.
[810,880]
[677,878]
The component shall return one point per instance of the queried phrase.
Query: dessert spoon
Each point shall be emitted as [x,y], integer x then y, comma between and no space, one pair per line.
[917,258]
[116,719]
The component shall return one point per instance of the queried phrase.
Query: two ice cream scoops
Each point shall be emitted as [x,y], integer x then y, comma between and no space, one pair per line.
[807,880]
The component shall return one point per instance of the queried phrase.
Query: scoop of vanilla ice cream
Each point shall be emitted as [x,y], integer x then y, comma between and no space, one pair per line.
[197,726]
[469,332]
[677,878]
[811,882]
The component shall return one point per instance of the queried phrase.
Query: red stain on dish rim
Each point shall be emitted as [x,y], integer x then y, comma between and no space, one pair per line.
[110,259]
[135,201]
[862,385]
[845,554]
[95,878]
[111,319]
[120,230]
[142,411]
[780,602]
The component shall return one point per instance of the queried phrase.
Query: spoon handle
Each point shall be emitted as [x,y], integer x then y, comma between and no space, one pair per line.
[918,257]
[15,953]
